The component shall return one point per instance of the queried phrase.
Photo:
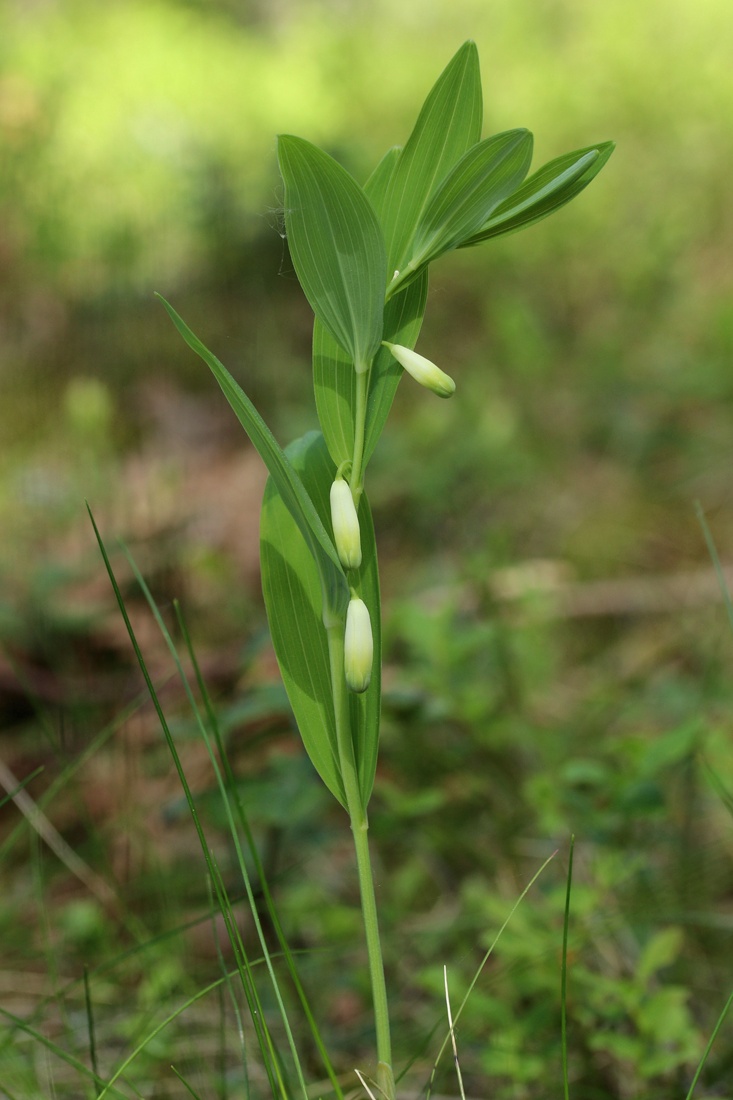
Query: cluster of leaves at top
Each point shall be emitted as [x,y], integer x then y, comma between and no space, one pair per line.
[362,256]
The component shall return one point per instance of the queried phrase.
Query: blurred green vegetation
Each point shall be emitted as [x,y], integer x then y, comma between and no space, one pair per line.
[526,699]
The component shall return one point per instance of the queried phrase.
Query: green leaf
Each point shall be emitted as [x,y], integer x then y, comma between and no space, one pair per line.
[334,385]
[336,247]
[546,190]
[448,125]
[292,592]
[335,590]
[292,597]
[483,178]
[334,378]
[378,182]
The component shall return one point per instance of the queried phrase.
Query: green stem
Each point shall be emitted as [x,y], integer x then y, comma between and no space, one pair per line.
[356,480]
[385,1077]
[360,828]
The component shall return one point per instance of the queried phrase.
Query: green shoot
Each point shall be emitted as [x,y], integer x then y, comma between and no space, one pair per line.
[362,255]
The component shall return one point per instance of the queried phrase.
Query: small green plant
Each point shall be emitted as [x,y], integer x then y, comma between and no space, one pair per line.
[362,256]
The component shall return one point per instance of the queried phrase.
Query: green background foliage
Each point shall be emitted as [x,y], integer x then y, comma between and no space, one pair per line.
[555,660]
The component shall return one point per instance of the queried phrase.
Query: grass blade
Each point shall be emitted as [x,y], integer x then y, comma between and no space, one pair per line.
[90,1024]
[189,1089]
[297,501]
[709,1047]
[223,901]
[14,786]
[59,1052]
[52,838]
[156,1031]
[230,819]
[244,825]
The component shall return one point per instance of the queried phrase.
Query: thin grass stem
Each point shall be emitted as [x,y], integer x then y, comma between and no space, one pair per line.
[90,1024]
[189,1089]
[59,1052]
[223,902]
[709,1047]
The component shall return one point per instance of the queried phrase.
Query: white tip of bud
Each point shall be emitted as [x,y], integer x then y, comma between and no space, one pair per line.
[358,646]
[422,370]
[345,523]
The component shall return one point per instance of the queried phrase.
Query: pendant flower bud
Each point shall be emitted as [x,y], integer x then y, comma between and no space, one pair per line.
[358,646]
[345,525]
[422,370]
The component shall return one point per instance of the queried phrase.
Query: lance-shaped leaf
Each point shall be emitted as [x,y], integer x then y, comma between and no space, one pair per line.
[334,588]
[448,125]
[334,385]
[336,246]
[292,591]
[546,190]
[483,178]
[376,186]
[292,597]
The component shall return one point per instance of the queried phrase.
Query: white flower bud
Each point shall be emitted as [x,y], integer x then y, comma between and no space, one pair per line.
[422,370]
[345,525]
[358,646]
